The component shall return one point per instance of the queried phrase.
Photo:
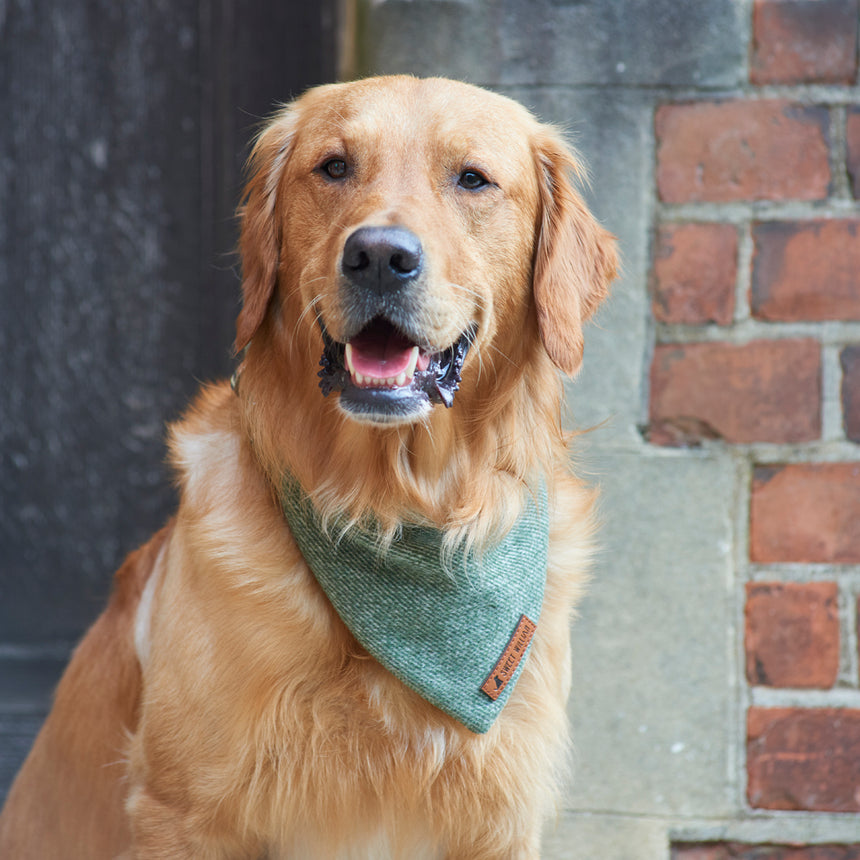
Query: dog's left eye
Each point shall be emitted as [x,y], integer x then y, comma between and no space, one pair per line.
[472,180]
[335,168]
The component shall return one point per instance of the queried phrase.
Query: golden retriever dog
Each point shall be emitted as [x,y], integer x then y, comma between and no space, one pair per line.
[388,464]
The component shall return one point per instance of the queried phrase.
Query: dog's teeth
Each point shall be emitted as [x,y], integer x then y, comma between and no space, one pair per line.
[410,368]
[401,379]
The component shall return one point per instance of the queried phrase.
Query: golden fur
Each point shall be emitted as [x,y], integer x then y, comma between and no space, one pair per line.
[219,708]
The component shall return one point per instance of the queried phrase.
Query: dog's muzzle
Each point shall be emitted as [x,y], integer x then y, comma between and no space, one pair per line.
[383,370]
[405,397]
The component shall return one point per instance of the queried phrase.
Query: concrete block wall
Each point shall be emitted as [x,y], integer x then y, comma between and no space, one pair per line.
[716,705]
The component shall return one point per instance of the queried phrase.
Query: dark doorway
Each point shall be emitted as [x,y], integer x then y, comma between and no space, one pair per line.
[125,126]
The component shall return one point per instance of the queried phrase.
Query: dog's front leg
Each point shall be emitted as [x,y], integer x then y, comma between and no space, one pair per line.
[163,832]
[498,845]
[531,852]
[159,831]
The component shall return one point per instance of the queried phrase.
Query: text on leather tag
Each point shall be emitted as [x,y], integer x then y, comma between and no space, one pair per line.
[504,670]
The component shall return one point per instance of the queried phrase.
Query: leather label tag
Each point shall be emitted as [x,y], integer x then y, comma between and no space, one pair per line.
[504,670]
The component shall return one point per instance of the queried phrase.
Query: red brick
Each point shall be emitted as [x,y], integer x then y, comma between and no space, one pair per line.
[808,512]
[742,150]
[805,759]
[852,139]
[695,269]
[804,41]
[792,634]
[741,851]
[762,391]
[806,270]
[850,360]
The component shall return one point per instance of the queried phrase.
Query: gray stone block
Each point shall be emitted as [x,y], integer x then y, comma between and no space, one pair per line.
[559,42]
[27,681]
[612,133]
[653,708]
[16,737]
[605,837]
[100,256]
[124,128]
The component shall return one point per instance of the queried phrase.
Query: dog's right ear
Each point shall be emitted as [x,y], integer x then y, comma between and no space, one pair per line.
[260,235]
[576,258]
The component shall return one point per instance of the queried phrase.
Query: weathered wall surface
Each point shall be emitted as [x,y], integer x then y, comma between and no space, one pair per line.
[716,700]
[124,128]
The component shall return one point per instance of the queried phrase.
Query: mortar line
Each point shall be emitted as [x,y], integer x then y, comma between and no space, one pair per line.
[738,211]
[743,278]
[831,394]
[850,591]
[847,576]
[650,210]
[807,94]
[838,154]
[743,489]
[847,677]
[841,698]
[828,333]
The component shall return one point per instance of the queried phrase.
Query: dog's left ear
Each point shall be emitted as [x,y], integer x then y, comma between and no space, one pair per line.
[260,236]
[575,260]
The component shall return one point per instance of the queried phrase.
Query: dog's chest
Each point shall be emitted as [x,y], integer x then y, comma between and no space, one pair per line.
[417,844]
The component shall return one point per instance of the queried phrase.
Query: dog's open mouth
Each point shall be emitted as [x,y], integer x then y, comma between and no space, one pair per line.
[384,376]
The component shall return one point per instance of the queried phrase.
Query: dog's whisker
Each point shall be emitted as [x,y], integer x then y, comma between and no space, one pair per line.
[310,307]
[469,291]
[496,349]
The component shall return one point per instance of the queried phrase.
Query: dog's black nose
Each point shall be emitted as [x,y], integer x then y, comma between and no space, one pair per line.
[381,259]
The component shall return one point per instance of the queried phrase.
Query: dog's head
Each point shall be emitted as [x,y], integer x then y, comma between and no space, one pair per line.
[412,231]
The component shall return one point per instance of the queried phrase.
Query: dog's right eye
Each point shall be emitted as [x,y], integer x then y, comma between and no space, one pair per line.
[335,168]
[472,180]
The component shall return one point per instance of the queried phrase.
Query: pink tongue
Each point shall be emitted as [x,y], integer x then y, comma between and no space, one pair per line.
[380,352]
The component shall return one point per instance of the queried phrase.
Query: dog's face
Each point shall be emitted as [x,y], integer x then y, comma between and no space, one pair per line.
[427,229]
[419,230]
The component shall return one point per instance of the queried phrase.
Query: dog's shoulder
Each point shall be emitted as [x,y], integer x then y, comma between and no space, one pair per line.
[229,514]
[130,580]
[214,465]
[208,434]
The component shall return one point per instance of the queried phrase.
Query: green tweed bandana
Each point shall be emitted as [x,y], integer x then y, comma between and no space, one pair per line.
[455,633]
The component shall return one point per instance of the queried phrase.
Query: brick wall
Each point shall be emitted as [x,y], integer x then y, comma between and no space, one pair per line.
[755,292]
[715,658]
